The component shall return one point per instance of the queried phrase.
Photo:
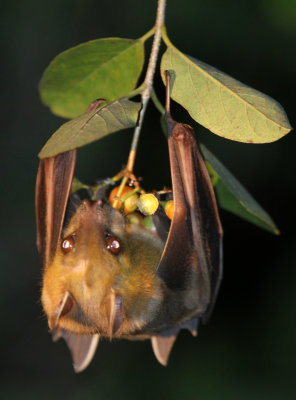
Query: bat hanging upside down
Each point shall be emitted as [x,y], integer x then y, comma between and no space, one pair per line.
[104,277]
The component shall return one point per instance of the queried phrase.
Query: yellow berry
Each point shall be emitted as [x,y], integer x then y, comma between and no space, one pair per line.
[148,203]
[130,204]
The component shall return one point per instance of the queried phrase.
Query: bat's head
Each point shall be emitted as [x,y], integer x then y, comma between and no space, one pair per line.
[102,278]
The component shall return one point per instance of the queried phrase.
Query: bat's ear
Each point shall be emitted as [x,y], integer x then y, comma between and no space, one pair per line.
[53,186]
[162,344]
[82,347]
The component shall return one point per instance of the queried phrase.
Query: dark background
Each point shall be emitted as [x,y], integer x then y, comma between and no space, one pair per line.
[248,348]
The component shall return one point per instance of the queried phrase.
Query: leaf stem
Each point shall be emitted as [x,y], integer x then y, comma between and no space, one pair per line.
[135,92]
[166,38]
[157,102]
[147,35]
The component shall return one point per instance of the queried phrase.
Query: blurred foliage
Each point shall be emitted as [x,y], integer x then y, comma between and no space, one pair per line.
[248,348]
[282,13]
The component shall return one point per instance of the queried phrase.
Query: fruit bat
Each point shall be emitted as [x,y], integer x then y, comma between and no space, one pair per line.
[104,277]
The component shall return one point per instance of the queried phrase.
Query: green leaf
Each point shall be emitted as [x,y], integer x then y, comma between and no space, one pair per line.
[91,126]
[103,68]
[233,197]
[222,104]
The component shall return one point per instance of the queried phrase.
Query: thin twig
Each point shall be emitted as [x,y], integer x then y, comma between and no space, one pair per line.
[146,94]
[148,82]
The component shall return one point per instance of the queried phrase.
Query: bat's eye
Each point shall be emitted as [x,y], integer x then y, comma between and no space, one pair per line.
[68,244]
[113,244]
